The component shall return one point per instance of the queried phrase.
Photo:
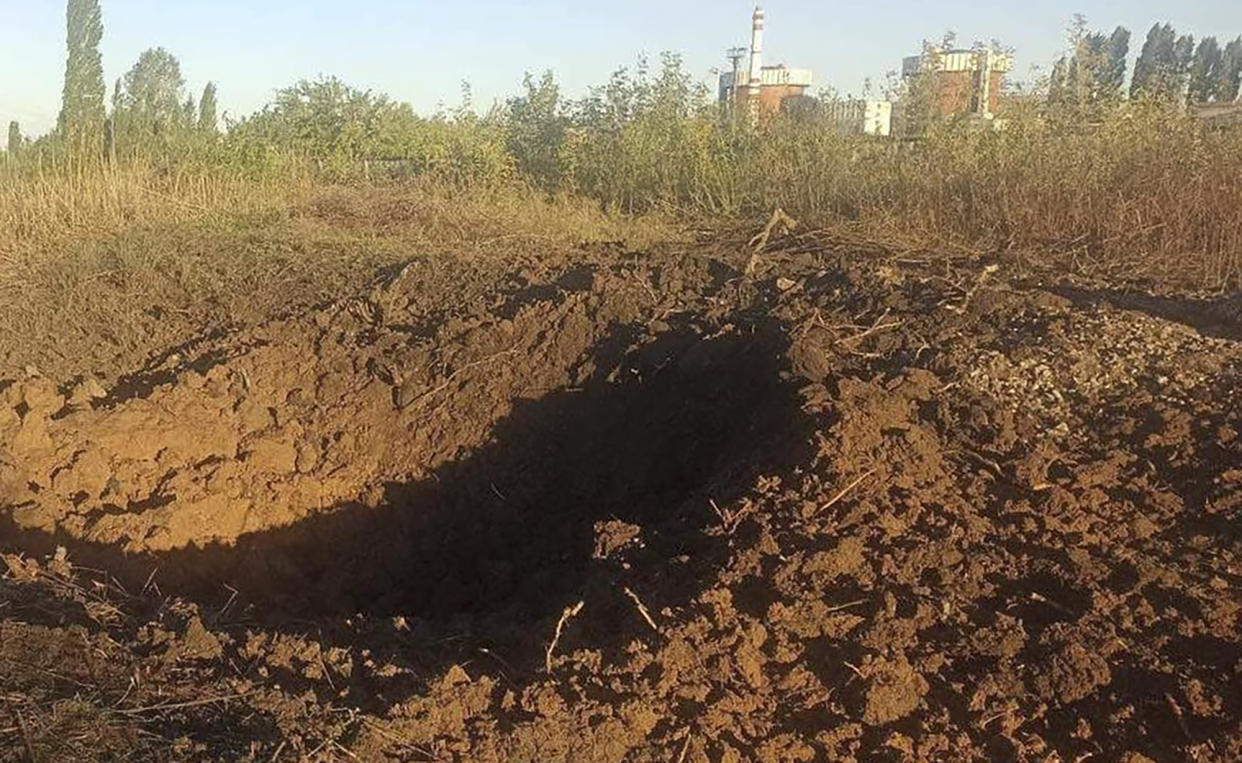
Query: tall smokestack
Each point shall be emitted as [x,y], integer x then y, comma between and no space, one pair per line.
[985,85]
[756,54]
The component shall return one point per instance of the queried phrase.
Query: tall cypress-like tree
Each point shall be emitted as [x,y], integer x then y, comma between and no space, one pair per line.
[207,119]
[1230,80]
[82,108]
[1116,54]
[1057,82]
[189,112]
[1155,62]
[1205,72]
[1183,57]
[15,139]
[1094,72]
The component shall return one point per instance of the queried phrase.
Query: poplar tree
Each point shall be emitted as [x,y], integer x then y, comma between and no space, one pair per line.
[1184,52]
[1116,55]
[1205,71]
[189,113]
[1057,82]
[82,109]
[207,120]
[1154,62]
[15,139]
[1230,80]
[1096,70]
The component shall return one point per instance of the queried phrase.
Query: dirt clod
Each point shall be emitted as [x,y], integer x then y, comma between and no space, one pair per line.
[894,691]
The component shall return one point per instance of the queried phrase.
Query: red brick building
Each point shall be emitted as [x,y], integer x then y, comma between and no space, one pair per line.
[961,81]
[776,85]
[762,89]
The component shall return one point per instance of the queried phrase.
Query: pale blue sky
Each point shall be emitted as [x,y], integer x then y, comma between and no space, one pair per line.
[421,51]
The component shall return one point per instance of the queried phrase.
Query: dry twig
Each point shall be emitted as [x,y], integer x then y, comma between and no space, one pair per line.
[779,218]
[847,490]
[183,705]
[760,242]
[876,327]
[730,520]
[983,277]
[642,609]
[566,616]
[685,748]
[841,607]
[26,738]
[393,737]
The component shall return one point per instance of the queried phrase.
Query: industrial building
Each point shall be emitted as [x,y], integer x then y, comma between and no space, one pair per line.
[955,82]
[861,117]
[962,82]
[760,89]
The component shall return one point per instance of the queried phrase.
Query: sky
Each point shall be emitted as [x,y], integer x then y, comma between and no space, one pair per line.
[421,52]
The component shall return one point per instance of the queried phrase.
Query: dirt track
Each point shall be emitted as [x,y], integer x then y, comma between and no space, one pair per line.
[818,504]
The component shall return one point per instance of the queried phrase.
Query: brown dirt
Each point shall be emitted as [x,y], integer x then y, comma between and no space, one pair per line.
[820,504]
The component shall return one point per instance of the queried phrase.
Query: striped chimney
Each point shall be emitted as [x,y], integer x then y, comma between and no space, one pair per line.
[756,53]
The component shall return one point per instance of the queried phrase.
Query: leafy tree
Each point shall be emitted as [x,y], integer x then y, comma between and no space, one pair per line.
[1081,67]
[1156,62]
[1230,72]
[1183,56]
[1095,71]
[207,120]
[1163,67]
[189,112]
[1057,81]
[609,107]
[15,139]
[1205,71]
[803,108]
[326,118]
[148,99]
[537,129]
[82,108]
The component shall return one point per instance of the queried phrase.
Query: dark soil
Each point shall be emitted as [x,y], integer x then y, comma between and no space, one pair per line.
[815,503]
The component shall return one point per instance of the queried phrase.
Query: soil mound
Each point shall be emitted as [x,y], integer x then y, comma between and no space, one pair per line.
[697,506]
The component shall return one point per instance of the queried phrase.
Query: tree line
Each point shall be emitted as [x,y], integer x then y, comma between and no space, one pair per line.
[1169,67]
[149,105]
[150,111]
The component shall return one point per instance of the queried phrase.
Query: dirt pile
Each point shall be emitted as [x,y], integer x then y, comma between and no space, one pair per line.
[813,504]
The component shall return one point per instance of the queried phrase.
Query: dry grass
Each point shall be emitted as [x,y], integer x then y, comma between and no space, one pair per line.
[44,206]
[1147,193]
[97,269]
[120,271]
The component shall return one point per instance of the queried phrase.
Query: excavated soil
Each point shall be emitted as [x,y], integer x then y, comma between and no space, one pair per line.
[704,505]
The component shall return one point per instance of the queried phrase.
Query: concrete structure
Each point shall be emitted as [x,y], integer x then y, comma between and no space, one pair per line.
[1219,115]
[761,89]
[864,117]
[961,81]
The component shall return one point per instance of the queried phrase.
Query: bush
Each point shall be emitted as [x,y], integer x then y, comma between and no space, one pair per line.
[1142,188]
